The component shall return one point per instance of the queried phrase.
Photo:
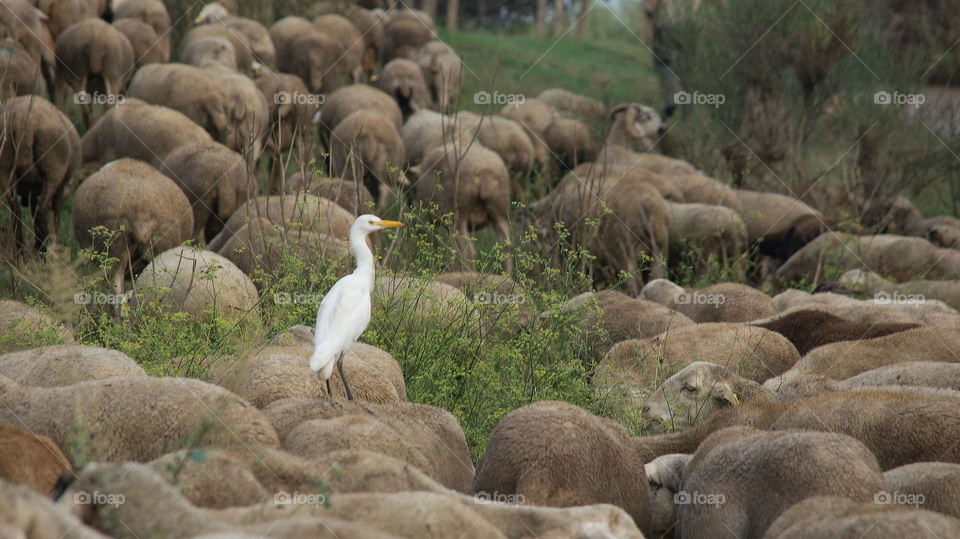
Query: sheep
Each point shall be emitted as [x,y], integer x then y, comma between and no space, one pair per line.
[403,80]
[443,71]
[571,105]
[722,302]
[404,32]
[472,182]
[929,313]
[66,364]
[273,373]
[350,195]
[350,38]
[144,211]
[697,188]
[883,290]
[371,28]
[780,225]
[206,51]
[215,181]
[557,454]
[841,360]
[19,74]
[836,517]
[27,513]
[898,427]
[944,231]
[134,418]
[195,92]
[634,126]
[568,141]
[284,31]
[313,57]
[735,467]
[632,219]
[152,12]
[911,373]
[247,111]
[197,282]
[613,154]
[265,245]
[144,40]
[808,329]
[30,459]
[40,151]
[241,47]
[61,14]
[900,258]
[504,136]
[252,32]
[17,317]
[427,129]
[349,99]
[931,484]
[597,172]
[292,110]
[895,215]
[366,148]
[23,22]
[425,301]
[712,234]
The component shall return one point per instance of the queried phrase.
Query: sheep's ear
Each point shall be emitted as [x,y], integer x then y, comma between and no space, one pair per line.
[618,109]
[413,174]
[726,394]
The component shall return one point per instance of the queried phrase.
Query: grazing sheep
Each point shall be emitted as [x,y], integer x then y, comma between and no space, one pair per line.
[240,45]
[292,110]
[313,57]
[137,418]
[504,136]
[206,51]
[780,225]
[195,92]
[424,301]
[473,184]
[839,517]
[895,215]
[352,196]
[61,14]
[404,32]
[929,313]
[39,153]
[557,454]
[146,212]
[634,126]
[23,22]
[144,40]
[931,484]
[571,105]
[17,318]
[697,188]
[613,154]
[598,172]
[284,31]
[30,459]
[944,231]
[366,148]
[152,12]
[19,74]
[403,80]
[443,71]
[722,302]
[869,283]
[371,28]
[341,29]
[911,373]
[268,246]
[568,141]
[349,99]
[27,513]
[66,364]
[808,329]
[215,181]
[841,360]
[252,32]
[427,129]
[712,234]
[737,468]
[248,113]
[197,282]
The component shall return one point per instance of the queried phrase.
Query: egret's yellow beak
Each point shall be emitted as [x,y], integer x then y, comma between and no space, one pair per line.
[390,224]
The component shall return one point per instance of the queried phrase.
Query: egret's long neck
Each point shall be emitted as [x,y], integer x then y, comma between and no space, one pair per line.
[363,255]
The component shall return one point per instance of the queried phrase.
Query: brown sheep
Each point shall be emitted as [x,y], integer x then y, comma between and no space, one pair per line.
[27,513]
[557,454]
[252,32]
[869,283]
[247,111]
[613,154]
[504,136]
[632,224]
[841,360]
[371,28]
[443,71]
[195,92]
[839,517]
[240,45]
[19,74]
[341,29]
[352,196]
[141,131]
[472,182]
[944,231]
[571,105]
[23,22]
[147,212]
[61,14]
[30,459]
[349,99]
[39,153]
[215,181]
[152,12]
[265,245]
[206,51]
[427,129]
[779,224]
[366,148]
[929,313]
[697,188]
[722,302]
[634,126]
[292,110]
[737,468]
[138,418]
[313,57]
[568,141]
[707,236]
[910,373]
[403,80]
[404,32]
[145,42]
[67,364]
[284,31]
[931,484]
[597,171]
[19,318]
[808,329]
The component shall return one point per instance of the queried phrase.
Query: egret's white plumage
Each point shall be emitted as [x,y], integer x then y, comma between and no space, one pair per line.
[345,311]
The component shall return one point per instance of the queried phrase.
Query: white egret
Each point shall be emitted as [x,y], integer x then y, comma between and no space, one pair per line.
[345,311]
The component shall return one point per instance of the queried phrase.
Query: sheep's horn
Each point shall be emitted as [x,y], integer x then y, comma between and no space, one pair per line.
[618,109]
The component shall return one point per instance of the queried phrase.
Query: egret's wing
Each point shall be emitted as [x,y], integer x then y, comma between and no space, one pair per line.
[343,314]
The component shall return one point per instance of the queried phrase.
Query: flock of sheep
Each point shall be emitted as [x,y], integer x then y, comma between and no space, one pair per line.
[797,416]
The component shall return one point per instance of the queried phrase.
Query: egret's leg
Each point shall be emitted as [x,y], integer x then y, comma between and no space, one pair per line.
[342,377]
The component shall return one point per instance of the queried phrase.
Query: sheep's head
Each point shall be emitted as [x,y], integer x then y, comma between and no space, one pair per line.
[640,122]
[691,395]
[664,477]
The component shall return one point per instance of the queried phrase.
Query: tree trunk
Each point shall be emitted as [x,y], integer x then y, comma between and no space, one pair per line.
[541,17]
[582,19]
[430,7]
[557,18]
[453,12]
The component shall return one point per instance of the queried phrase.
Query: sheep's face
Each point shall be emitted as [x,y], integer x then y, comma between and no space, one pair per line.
[689,396]
[642,122]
